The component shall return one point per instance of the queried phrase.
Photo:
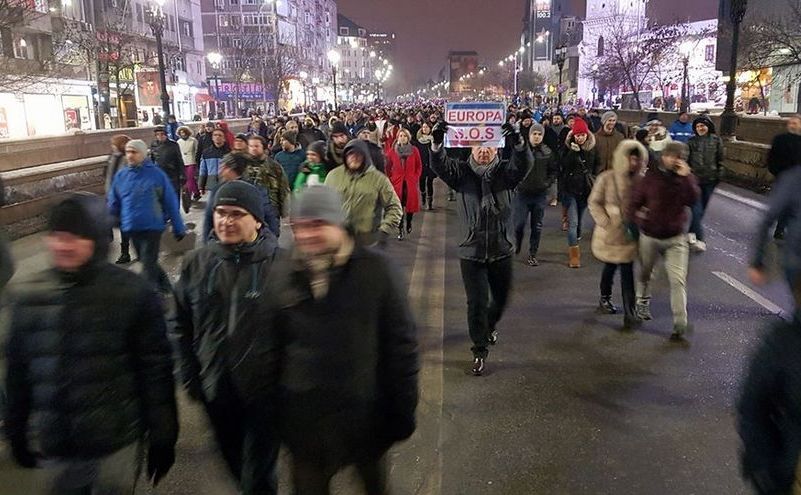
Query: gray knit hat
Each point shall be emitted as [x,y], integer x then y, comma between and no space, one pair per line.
[138,145]
[608,115]
[319,203]
[536,126]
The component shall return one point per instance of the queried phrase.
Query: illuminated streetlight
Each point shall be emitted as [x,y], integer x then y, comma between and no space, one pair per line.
[334,57]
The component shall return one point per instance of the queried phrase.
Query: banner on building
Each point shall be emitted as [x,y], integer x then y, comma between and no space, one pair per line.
[475,124]
[148,86]
[245,91]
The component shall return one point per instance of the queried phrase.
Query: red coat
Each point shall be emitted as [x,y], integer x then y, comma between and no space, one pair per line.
[406,171]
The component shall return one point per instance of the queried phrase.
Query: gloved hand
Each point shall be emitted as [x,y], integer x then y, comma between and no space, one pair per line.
[382,240]
[160,459]
[179,236]
[438,133]
[511,133]
[23,456]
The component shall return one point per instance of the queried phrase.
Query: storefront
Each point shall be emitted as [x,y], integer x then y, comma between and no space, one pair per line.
[47,108]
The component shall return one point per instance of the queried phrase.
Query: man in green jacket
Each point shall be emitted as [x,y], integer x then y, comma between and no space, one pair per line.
[365,190]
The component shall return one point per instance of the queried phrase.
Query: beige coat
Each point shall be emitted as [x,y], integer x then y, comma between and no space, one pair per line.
[607,204]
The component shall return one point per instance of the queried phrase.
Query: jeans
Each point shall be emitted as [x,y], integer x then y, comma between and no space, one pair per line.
[114,474]
[248,444]
[576,206]
[626,284]
[676,252]
[427,184]
[146,243]
[699,209]
[533,204]
[313,479]
[487,285]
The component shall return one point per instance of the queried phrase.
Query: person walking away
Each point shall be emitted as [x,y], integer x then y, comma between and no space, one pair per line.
[210,161]
[291,155]
[706,163]
[220,296]
[188,145]
[532,193]
[614,240]
[607,140]
[345,396]
[367,194]
[682,129]
[116,162]
[423,144]
[313,166]
[658,207]
[404,170]
[268,174]
[142,198]
[484,185]
[576,180]
[784,154]
[89,366]
[167,155]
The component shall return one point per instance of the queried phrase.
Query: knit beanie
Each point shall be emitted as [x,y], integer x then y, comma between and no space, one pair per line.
[318,203]
[339,128]
[69,216]
[319,148]
[137,145]
[579,126]
[606,116]
[537,127]
[291,137]
[242,194]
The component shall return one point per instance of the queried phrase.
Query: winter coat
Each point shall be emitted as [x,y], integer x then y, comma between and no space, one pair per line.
[335,157]
[608,205]
[167,156]
[486,229]
[221,295]
[423,144]
[406,172]
[268,174]
[171,128]
[658,141]
[142,198]
[291,162]
[785,153]
[306,170]
[543,172]
[348,393]
[681,131]
[378,157]
[188,148]
[769,411]
[116,161]
[659,202]
[272,221]
[210,165]
[578,165]
[203,141]
[363,193]
[784,201]
[706,158]
[606,144]
[229,136]
[308,135]
[551,140]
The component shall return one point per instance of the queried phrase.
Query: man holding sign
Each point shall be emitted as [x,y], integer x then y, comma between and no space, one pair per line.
[484,184]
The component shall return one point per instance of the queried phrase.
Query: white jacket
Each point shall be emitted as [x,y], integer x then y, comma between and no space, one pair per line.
[188,150]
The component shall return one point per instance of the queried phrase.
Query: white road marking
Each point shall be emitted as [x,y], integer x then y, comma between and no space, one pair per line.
[751,294]
[742,199]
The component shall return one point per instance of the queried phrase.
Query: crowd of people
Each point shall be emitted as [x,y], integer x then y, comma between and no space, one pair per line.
[90,363]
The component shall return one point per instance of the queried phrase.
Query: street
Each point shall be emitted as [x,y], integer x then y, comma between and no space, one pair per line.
[568,404]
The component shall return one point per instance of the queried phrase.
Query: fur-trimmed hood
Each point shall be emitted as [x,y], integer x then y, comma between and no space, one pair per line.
[620,159]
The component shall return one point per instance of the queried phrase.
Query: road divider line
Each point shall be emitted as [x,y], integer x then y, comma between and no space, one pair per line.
[742,199]
[751,294]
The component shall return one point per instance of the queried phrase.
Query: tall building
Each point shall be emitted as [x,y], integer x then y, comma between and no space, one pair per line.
[382,43]
[357,79]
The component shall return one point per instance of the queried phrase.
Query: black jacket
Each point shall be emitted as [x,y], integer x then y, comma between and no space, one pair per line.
[486,229]
[706,157]
[379,160]
[308,135]
[769,411]
[219,296]
[167,156]
[577,168]
[785,152]
[203,141]
[348,366]
[542,173]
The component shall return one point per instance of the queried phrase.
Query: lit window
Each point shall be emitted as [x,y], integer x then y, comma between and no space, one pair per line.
[709,53]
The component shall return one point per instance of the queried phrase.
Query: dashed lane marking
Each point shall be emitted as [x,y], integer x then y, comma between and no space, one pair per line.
[751,294]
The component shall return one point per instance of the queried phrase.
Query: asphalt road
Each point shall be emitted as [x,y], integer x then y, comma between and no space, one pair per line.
[569,405]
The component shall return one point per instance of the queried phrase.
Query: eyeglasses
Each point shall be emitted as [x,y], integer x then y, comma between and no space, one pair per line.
[233,215]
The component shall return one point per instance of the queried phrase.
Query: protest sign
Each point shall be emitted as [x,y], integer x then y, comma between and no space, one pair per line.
[474,123]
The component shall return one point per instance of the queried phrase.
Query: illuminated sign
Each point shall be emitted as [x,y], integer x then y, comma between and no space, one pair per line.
[543,9]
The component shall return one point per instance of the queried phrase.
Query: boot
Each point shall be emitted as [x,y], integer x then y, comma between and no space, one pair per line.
[575,257]
[124,258]
[430,203]
[605,306]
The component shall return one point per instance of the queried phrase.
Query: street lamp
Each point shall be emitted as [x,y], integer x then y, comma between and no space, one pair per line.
[303,76]
[561,57]
[155,18]
[594,83]
[334,57]
[685,49]
[728,119]
[215,58]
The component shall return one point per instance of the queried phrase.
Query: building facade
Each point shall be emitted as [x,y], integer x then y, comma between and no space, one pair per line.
[357,79]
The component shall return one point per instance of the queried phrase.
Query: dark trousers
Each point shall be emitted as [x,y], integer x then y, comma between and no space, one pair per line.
[487,286]
[534,205]
[626,284]
[147,244]
[311,478]
[699,209]
[427,183]
[409,216]
[125,243]
[248,444]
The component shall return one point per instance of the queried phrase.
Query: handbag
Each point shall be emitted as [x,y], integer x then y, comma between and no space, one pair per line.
[630,229]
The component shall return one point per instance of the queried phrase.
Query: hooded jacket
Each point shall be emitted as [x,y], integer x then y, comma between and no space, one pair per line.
[578,165]
[220,295]
[785,153]
[706,153]
[681,131]
[486,228]
[188,147]
[89,363]
[364,192]
[267,173]
[142,198]
[608,205]
[659,201]
[542,173]
[167,155]
[210,165]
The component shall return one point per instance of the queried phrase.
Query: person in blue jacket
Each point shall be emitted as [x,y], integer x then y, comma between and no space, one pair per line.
[210,161]
[171,128]
[142,198]
[682,128]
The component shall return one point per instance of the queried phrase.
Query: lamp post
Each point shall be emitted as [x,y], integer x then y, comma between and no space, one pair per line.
[685,51]
[561,57]
[215,58]
[333,57]
[155,18]
[728,119]
[303,76]
[594,83]
[518,63]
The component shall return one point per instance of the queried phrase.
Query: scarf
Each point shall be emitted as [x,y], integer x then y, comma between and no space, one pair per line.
[404,150]
[424,138]
[486,174]
[337,153]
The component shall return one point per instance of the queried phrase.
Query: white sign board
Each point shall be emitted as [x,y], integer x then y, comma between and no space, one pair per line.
[475,124]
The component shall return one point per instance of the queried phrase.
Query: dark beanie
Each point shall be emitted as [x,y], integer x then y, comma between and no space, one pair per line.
[291,137]
[242,194]
[70,216]
[339,128]
[318,147]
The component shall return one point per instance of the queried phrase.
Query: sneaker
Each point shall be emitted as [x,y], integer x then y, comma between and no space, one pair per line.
[493,338]
[644,312]
[605,306]
[678,333]
[698,246]
[478,366]
[532,261]
[691,238]
[124,259]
